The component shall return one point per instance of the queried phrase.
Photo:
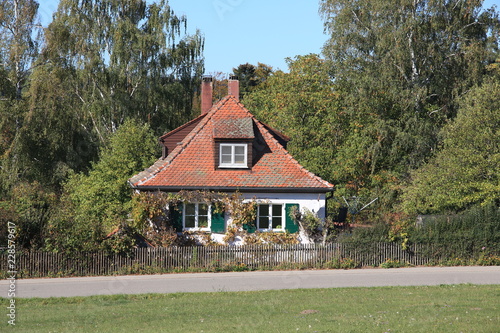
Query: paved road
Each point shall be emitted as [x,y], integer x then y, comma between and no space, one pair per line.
[244,281]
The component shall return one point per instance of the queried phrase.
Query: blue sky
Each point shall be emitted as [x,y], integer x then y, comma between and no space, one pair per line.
[241,31]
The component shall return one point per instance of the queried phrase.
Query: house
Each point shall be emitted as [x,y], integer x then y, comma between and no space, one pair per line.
[226,149]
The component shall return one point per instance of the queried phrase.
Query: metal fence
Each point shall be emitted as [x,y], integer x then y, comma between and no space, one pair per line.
[214,258]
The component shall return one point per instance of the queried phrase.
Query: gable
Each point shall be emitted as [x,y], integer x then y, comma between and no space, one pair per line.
[170,140]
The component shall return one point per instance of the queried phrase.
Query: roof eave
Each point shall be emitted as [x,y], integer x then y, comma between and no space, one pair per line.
[236,189]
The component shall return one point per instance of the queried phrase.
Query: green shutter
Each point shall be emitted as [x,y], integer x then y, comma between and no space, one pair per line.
[290,225]
[251,227]
[176,217]
[218,224]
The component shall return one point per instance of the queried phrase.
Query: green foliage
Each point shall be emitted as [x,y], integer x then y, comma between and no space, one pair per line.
[459,236]
[131,59]
[122,242]
[63,96]
[343,263]
[66,233]
[400,229]
[466,170]
[303,105]
[412,54]
[19,41]
[251,76]
[30,209]
[361,236]
[52,141]
[391,263]
[102,198]
[399,68]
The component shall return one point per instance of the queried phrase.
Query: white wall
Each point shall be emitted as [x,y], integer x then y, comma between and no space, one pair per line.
[315,202]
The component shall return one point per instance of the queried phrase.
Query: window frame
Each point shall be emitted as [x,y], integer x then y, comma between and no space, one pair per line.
[196,216]
[270,217]
[233,164]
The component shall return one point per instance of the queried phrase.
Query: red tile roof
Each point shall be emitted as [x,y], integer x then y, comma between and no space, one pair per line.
[191,165]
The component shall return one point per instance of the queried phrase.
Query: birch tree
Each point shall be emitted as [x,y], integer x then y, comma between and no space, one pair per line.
[20,33]
[130,59]
[400,67]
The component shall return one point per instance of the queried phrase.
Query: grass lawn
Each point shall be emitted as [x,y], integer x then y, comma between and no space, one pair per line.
[455,308]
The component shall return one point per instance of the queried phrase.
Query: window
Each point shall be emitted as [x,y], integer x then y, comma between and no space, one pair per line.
[270,217]
[232,155]
[196,216]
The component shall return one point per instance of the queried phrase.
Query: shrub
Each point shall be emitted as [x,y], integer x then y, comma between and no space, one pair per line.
[391,263]
[462,235]
[343,263]
[488,260]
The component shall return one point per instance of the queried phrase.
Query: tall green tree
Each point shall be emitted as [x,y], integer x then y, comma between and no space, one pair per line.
[103,62]
[131,59]
[422,53]
[94,204]
[304,106]
[400,67]
[466,170]
[20,40]
[251,76]
[52,140]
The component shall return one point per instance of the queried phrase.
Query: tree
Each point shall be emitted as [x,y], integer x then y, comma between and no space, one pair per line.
[304,106]
[466,170]
[103,196]
[32,205]
[52,141]
[399,68]
[96,203]
[251,76]
[94,72]
[423,52]
[129,59]
[20,38]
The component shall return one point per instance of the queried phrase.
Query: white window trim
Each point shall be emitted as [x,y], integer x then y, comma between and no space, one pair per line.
[269,228]
[233,164]
[196,210]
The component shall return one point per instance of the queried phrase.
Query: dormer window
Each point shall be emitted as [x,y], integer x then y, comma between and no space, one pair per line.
[233,155]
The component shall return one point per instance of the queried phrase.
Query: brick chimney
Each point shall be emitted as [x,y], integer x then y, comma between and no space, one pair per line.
[233,87]
[206,94]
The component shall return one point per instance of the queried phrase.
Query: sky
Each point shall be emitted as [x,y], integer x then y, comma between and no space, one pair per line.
[248,31]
